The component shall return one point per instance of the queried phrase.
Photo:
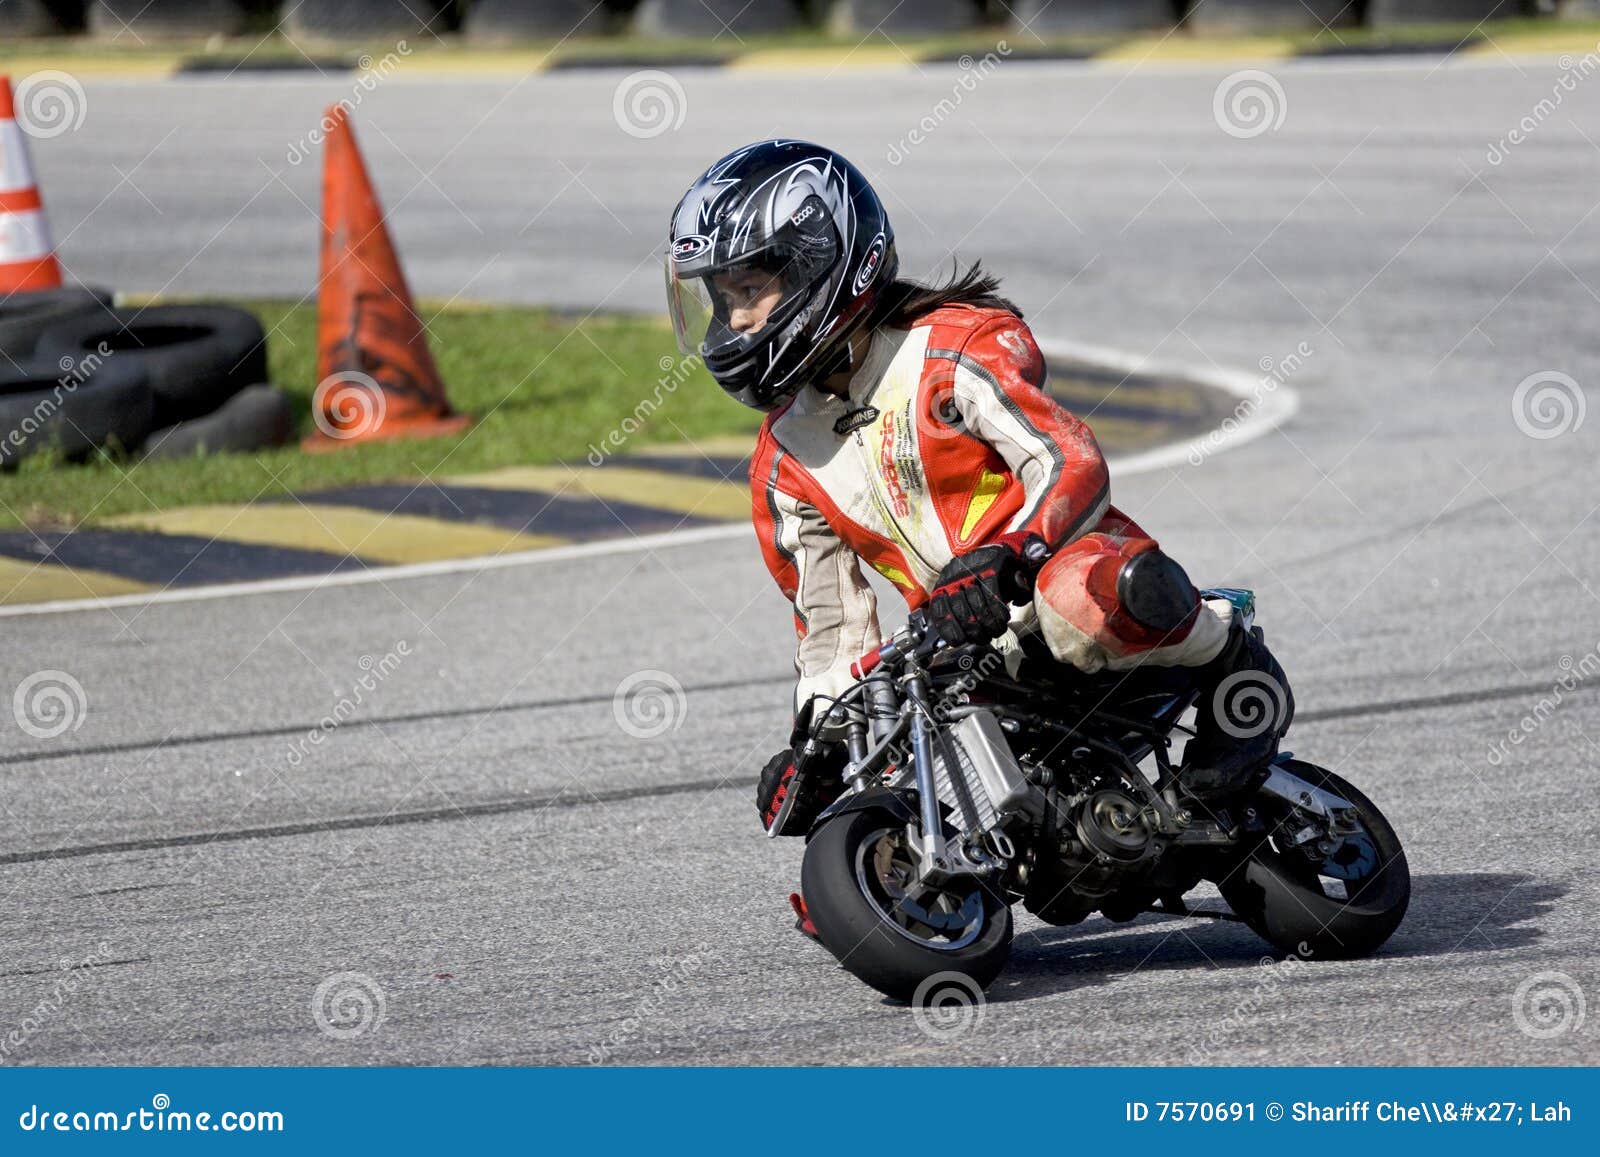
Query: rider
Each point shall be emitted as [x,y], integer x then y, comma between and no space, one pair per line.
[909,428]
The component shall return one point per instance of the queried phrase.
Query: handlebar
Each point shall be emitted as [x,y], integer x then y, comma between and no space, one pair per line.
[916,633]
[914,636]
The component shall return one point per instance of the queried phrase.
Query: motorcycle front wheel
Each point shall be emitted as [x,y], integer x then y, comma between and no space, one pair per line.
[1341,907]
[858,882]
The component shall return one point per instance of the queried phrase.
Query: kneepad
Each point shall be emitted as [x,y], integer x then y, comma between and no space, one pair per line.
[1156,592]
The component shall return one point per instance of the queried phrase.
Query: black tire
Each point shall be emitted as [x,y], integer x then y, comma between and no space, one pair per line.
[499,20]
[856,929]
[891,17]
[1278,894]
[24,316]
[255,417]
[127,19]
[670,18]
[358,19]
[40,17]
[40,407]
[196,356]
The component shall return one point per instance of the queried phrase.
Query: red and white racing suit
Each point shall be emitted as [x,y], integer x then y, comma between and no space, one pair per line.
[949,440]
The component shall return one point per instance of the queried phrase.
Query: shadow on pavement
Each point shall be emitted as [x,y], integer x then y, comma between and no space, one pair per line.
[1451,913]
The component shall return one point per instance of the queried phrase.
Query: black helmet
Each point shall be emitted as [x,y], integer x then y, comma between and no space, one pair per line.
[807,218]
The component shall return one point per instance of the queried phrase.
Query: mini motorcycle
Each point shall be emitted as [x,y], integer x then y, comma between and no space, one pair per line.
[967,791]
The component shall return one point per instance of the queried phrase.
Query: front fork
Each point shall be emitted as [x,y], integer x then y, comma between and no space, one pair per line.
[936,862]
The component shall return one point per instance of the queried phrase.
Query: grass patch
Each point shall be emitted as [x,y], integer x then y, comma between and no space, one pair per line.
[543,385]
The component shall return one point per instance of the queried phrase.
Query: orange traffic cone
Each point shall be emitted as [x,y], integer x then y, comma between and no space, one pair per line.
[377,377]
[27,256]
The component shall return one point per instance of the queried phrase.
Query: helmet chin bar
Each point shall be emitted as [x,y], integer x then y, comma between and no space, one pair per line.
[744,367]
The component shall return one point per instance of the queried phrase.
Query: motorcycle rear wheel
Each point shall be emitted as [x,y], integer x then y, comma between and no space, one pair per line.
[853,877]
[1286,900]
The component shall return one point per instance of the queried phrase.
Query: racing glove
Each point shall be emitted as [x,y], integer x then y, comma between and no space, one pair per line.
[795,787]
[972,598]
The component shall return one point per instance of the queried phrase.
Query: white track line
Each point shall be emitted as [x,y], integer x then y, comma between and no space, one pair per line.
[1271,409]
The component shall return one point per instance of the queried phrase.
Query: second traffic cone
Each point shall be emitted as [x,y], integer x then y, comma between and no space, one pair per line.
[27,256]
[376,375]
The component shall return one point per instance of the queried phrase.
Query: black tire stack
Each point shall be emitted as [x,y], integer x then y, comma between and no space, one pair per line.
[131,20]
[79,376]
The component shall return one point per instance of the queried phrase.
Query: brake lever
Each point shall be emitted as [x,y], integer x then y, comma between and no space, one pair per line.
[929,640]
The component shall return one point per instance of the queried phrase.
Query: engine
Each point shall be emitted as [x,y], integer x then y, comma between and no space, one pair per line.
[1089,844]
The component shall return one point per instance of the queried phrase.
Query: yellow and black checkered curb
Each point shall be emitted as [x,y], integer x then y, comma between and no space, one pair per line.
[1152,48]
[647,492]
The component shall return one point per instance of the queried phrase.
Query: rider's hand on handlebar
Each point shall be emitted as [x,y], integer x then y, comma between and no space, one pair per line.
[971,601]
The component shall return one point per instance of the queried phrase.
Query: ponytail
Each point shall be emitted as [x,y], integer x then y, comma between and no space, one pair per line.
[903,301]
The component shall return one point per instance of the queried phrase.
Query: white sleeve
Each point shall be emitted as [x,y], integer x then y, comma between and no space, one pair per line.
[836,613]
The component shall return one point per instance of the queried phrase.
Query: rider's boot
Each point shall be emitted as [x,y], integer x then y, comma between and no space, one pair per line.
[1245,706]
[802,918]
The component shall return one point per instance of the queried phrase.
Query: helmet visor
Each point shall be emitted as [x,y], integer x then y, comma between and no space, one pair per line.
[725,311]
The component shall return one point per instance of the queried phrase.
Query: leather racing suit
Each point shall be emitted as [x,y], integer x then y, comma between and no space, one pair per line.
[947,439]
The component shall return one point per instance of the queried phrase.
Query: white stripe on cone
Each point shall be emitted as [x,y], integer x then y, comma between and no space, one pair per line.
[24,236]
[16,174]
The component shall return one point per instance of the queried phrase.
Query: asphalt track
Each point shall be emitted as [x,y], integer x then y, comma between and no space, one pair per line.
[520,880]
